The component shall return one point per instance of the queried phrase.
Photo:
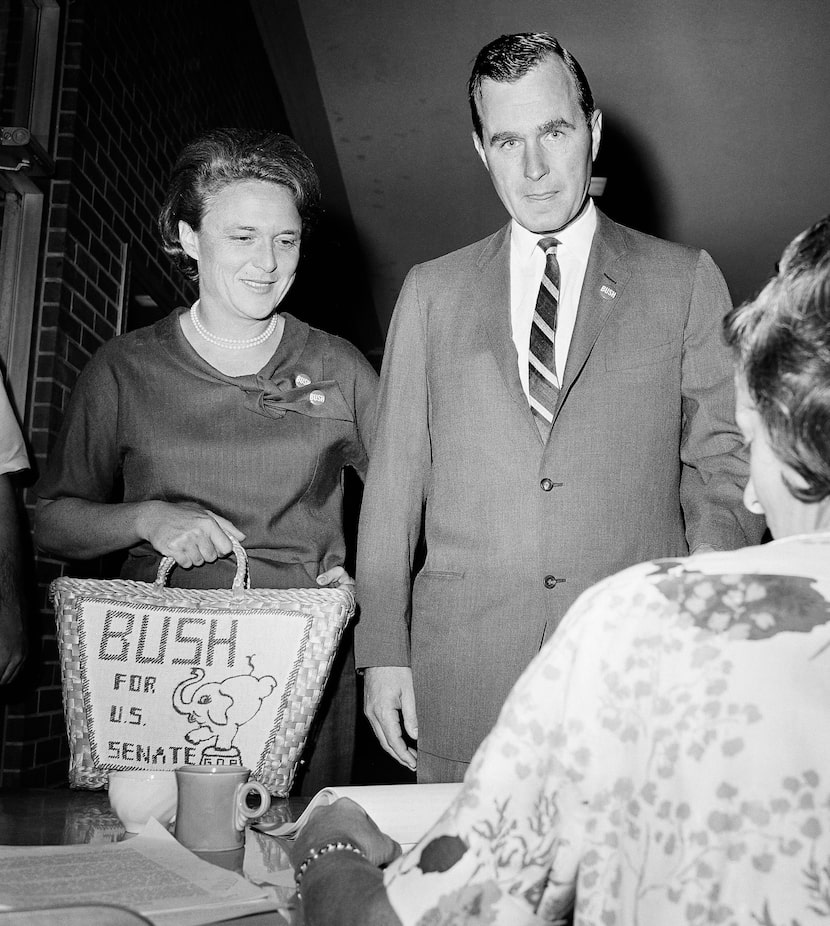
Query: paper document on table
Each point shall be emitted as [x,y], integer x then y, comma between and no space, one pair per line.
[150,873]
[404,812]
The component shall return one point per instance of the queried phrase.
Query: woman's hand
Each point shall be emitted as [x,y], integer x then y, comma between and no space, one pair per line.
[339,888]
[336,577]
[344,820]
[191,535]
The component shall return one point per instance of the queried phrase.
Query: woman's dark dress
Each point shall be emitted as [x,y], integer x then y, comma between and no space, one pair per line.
[150,419]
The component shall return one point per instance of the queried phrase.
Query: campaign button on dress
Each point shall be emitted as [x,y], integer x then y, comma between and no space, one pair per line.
[546,484]
[301,380]
[550,581]
[316,398]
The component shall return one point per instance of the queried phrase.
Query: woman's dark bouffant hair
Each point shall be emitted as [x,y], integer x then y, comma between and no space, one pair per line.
[222,156]
[782,344]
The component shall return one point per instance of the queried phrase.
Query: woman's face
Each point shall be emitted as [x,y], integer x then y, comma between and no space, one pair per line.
[766,492]
[247,249]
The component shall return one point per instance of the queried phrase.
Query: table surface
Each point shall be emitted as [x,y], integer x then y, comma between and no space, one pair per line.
[62,816]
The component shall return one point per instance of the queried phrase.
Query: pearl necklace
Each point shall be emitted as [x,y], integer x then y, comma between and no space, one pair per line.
[232,343]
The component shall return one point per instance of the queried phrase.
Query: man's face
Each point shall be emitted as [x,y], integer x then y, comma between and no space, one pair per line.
[537,146]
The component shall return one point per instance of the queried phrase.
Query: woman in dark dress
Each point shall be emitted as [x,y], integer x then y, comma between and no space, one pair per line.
[225,418]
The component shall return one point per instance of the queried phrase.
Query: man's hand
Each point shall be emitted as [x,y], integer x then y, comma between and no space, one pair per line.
[191,535]
[388,694]
[347,821]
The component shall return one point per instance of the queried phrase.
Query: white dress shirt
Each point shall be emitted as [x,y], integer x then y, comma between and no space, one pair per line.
[527,265]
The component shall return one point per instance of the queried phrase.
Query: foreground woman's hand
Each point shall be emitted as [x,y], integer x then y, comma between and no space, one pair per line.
[343,888]
[188,533]
[346,821]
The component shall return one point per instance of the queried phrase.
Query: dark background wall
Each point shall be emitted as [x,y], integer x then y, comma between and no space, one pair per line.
[716,120]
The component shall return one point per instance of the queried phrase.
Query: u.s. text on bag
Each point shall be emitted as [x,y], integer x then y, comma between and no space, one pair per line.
[156,677]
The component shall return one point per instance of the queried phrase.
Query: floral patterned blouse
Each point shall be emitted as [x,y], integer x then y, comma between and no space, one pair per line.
[664,760]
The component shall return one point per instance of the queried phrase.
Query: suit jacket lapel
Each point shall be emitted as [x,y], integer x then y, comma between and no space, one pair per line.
[493,292]
[602,289]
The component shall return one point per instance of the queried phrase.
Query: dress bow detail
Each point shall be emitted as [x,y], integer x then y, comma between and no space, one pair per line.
[275,398]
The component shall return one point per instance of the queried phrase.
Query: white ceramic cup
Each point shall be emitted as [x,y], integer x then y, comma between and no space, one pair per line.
[136,796]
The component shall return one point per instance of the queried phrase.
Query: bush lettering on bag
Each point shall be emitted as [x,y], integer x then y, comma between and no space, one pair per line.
[167,684]
[121,641]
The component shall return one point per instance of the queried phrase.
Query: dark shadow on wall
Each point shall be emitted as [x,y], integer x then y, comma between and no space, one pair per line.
[332,292]
[332,288]
[635,195]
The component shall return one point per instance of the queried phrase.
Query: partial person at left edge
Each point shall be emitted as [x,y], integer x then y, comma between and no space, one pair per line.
[13,458]
[228,417]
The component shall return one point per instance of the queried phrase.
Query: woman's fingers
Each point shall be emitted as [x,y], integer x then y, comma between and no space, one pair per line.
[189,534]
[336,577]
[228,528]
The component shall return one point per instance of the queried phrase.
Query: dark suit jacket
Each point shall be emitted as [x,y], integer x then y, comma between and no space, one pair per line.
[643,460]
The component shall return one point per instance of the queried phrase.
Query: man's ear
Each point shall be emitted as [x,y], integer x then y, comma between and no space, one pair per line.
[480,149]
[596,133]
[189,240]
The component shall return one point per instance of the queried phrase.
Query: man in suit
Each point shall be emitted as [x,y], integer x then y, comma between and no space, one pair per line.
[548,415]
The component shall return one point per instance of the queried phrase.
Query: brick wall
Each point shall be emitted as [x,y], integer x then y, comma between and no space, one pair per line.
[135,83]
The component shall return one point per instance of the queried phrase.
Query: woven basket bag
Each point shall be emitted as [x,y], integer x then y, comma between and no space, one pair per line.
[157,677]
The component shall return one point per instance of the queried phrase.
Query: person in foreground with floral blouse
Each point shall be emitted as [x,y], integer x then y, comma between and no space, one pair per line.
[664,759]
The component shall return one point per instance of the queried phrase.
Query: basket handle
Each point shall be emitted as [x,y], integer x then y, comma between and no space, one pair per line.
[242,579]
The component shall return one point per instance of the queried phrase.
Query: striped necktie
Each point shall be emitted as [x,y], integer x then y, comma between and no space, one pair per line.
[542,378]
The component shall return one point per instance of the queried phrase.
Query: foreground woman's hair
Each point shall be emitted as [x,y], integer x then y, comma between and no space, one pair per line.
[782,345]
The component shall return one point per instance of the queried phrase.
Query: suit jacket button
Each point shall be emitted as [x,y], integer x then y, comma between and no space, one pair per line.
[546,484]
[550,581]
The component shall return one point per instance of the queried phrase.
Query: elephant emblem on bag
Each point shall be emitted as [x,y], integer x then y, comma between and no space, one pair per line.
[219,708]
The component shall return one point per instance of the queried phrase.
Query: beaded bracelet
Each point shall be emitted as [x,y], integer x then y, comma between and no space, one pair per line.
[323,850]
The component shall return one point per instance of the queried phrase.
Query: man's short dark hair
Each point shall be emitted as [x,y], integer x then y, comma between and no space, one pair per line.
[510,57]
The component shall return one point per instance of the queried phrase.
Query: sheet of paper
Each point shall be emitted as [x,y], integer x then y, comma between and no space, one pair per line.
[267,864]
[150,873]
[404,812]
